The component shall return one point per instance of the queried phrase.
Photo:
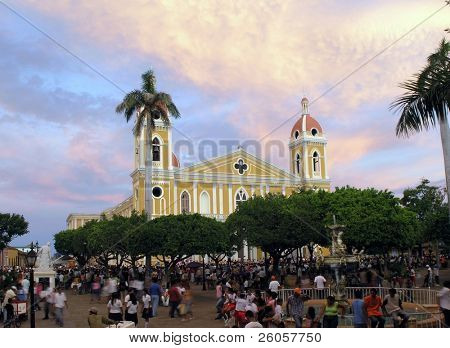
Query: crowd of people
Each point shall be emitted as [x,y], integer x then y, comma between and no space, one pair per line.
[247,293]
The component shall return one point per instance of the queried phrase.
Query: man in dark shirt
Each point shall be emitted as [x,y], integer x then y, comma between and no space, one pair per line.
[9,309]
[174,299]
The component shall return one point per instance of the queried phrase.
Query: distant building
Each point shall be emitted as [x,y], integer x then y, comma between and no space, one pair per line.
[11,256]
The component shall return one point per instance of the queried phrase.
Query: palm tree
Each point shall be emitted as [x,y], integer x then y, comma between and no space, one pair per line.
[149,105]
[426,102]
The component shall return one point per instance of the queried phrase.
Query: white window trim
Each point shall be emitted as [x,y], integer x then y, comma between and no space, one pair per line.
[319,173]
[235,194]
[161,151]
[189,195]
[162,192]
[209,202]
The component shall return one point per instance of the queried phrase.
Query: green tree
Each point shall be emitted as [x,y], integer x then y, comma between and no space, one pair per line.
[174,238]
[428,203]
[310,209]
[11,226]
[426,102]
[373,219]
[106,240]
[269,223]
[132,241]
[75,243]
[149,105]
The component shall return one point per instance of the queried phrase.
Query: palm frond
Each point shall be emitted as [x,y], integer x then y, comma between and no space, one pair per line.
[149,82]
[147,103]
[130,103]
[426,100]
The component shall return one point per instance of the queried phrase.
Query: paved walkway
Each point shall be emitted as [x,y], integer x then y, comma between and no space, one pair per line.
[76,316]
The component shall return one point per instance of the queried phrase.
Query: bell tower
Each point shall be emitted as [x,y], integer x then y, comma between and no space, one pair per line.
[307,147]
[163,160]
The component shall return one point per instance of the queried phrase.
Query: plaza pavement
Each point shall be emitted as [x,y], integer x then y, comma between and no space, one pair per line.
[76,316]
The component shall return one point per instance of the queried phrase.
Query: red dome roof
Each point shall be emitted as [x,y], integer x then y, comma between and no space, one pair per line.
[306,123]
[175,161]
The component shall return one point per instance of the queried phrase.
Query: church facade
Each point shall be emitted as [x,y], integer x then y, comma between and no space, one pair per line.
[215,187]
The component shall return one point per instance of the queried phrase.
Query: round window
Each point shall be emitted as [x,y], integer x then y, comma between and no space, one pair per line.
[296,134]
[314,132]
[157,192]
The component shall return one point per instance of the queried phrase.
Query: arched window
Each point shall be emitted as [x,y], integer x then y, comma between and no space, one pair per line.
[156,150]
[204,203]
[185,202]
[297,163]
[241,196]
[316,163]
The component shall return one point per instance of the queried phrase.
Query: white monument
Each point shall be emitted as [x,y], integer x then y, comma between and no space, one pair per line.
[43,271]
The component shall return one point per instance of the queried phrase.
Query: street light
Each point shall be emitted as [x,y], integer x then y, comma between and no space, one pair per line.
[31,261]
[204,280]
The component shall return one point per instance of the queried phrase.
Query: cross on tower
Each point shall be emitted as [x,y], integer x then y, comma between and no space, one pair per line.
[241,166]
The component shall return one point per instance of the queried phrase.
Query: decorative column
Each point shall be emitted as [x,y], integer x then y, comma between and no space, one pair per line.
[214,197]
[221,199]
[175,198]
[230,198]
[325,169]
[169,155]
[305,161]
[195,197]
[142,149]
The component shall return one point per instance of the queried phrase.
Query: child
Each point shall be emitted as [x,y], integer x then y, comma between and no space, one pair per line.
[278,317]
[186,304]
[311,321]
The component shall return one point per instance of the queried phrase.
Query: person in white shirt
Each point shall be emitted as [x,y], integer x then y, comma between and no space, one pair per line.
[274,286]
[8,294]
[48,295]
[132,308]
[319,282]
[251,307]
[444,302]
[252,323]
[146,303]
[115,308]
[241,303]
[26,285]
[60,301]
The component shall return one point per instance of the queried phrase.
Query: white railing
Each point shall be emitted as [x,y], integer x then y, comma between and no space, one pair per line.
[414,295]
[416,319]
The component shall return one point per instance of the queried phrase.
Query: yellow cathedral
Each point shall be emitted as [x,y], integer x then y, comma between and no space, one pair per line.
[215,187]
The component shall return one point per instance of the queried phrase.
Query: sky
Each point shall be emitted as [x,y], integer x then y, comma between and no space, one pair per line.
[236,70]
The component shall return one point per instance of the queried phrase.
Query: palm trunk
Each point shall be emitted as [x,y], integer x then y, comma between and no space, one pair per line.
[148,172]
[445,139]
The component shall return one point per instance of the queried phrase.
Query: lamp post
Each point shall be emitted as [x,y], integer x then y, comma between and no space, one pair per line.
[31,261]
[204,280]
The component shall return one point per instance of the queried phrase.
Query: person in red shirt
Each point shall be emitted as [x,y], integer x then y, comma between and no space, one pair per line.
[174,299]
[372,305]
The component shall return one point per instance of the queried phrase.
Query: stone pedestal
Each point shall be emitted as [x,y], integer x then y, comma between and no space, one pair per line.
[46,277]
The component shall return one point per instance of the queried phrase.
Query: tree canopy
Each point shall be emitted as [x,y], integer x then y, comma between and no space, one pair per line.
[373,219]
[11,226]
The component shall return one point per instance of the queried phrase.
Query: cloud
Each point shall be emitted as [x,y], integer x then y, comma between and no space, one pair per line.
[237,71]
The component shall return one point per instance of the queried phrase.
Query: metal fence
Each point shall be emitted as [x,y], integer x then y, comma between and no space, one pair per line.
[419,296]
[416,320]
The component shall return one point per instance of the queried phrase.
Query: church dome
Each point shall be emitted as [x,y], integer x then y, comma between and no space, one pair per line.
[306,123]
